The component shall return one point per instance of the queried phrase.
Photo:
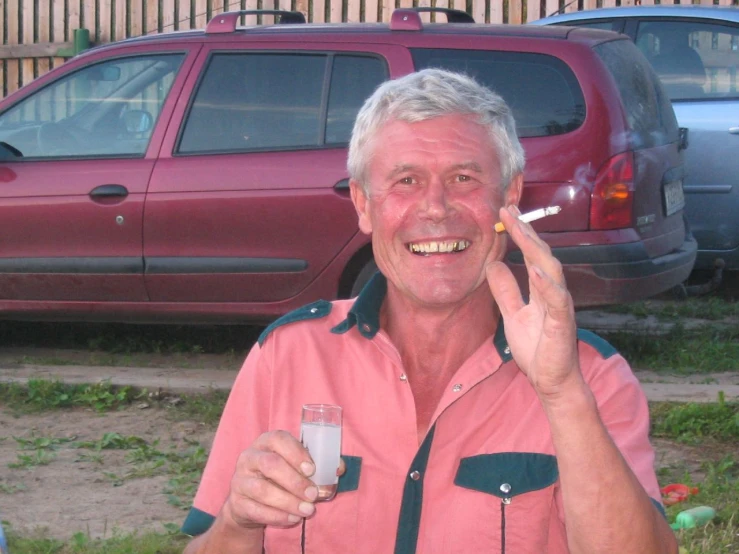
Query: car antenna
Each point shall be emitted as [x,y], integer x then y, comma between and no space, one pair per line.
[562,9]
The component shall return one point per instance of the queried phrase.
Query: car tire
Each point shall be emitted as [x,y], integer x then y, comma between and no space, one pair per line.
[367,271]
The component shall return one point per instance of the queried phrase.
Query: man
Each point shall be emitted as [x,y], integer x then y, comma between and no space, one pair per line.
[473,422]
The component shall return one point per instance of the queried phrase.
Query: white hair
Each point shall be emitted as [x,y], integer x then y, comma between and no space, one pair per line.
[428,94]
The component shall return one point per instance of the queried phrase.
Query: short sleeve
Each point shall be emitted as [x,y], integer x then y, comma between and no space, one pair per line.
[624,410]
[245,417]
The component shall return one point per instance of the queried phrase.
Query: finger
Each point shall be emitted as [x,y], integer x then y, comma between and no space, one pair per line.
[505,288]
[290,448]
[342,467]
[557,299]
[250,513]
[265,493]
[281,458]
[534,249]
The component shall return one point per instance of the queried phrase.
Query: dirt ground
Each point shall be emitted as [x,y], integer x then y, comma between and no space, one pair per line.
[68,495]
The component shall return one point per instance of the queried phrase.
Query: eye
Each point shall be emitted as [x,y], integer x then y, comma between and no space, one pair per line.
[463,178]
[407,181]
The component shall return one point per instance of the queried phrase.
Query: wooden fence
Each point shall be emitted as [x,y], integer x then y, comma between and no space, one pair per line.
[37,35]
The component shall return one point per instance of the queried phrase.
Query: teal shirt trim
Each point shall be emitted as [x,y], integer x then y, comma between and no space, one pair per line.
[410,507]
[522,471]
[660,507]
[603,347]
[365,313]
[315,310]
[350,480]
[197,522]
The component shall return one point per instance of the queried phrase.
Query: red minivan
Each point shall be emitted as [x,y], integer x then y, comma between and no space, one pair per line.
[201,176]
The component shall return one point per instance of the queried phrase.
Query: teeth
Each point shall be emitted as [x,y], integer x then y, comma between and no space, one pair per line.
[434,246]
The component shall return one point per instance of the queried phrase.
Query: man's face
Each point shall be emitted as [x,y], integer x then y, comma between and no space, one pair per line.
[434,197]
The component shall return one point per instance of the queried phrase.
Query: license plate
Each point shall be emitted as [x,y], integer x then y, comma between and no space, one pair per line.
[674,197]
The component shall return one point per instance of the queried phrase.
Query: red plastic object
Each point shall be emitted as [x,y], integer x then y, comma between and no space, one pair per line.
[676,492]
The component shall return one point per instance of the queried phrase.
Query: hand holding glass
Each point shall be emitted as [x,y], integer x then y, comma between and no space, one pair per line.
[320,433]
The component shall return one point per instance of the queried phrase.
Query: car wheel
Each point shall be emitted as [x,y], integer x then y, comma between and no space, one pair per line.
[364,276]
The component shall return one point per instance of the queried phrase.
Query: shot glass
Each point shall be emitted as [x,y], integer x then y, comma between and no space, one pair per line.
[320,433]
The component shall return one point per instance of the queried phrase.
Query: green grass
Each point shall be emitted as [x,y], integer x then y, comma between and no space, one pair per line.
[709,307]
[80,543]
[705,350]
[40,395]
[720,490]
[694,422]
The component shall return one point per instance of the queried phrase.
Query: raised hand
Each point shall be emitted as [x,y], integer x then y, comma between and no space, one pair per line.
[542,334]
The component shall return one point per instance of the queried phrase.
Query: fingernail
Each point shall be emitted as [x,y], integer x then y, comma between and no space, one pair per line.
[311,493]
[292,518]
[306,508]
[307,468]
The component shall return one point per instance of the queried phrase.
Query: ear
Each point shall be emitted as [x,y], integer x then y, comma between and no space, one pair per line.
[514,191]
[361,204]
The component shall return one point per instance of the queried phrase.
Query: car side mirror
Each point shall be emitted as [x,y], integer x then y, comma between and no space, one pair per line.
[137,121]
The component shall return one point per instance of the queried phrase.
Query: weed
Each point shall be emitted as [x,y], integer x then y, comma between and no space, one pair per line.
[91,458]
[113,441]
[8,488]
[41,395]
[204,408]
[38,458]
[103,396]
[41,443]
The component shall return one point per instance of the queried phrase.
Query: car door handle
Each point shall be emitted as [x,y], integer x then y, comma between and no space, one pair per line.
[734,130]
[109,191]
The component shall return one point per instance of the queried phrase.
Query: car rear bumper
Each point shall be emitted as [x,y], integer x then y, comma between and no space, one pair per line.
[606,274]
[707,259]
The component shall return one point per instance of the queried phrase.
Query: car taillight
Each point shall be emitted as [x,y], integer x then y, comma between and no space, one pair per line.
[612,200]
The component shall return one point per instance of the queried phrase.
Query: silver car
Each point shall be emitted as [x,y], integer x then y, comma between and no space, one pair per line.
[695,51]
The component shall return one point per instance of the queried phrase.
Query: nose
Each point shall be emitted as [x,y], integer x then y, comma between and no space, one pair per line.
[435,203]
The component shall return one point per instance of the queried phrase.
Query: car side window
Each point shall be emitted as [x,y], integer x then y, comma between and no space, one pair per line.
[108,109]
[267,101]
[607,25]
[694,60]
[353,80]
[648,112]
[542,91]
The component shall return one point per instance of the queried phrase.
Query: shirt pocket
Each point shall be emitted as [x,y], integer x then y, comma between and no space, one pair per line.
[334,526]
[505,501]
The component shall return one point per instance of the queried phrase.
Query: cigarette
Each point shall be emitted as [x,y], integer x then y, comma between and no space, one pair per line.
[531,216]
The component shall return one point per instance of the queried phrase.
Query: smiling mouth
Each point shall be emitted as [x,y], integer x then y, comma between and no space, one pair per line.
[438,247]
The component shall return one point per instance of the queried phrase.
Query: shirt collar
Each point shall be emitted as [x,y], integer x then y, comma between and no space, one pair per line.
[365,314]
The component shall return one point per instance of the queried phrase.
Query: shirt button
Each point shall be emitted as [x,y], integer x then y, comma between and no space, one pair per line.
[415,475]
[403,377]
[313,310]
[507,350]
[366,327]
[457,387]
[505,488]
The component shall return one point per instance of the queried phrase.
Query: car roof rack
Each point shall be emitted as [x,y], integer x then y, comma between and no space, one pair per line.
[226,22]
[408,19]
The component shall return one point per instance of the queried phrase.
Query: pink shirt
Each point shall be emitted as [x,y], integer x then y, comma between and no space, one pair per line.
[485,469]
